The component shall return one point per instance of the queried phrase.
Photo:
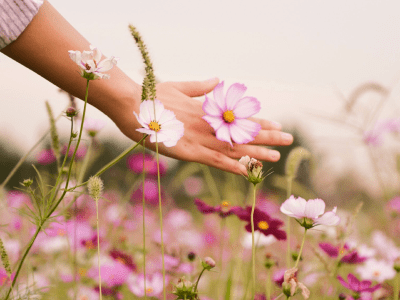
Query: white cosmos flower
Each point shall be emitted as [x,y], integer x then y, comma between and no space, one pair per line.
[169,130]
[90,64]
[311,211]
[376,270]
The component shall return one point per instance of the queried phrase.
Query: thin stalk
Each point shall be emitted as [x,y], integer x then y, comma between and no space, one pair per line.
[221,253]
[268,285]
[144,223]
[249,271]
[288,194]
[23,158]
[98,246]
[396,287]
[301,248]
[253,249]
[161,219]
[211,183]
[198,279]
[58,202]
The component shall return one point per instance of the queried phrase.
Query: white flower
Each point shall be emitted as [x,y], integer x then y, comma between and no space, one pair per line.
[386,247]
[168,129]
[258,236]
[377,270]
[93,126]
[90,64]
[312,211]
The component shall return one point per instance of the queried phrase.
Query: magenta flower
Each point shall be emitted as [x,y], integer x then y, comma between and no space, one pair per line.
[228,114]
[135,164]
[394,205]
[358,286]
[45,157]
[350,258]
[150,192]
[80,153]
[124,259]
[224,210]
[262,222]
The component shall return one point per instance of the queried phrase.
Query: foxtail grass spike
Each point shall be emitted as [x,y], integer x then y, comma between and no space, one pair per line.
[4,258]
[296,156]
[55,143]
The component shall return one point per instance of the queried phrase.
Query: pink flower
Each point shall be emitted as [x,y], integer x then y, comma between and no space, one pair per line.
[150,192]
[113,274]
[378,270]
[90,65]
[358,286]
[93,126]
[135,164]
[154,285]
[351,257]
[312,211]
[80,153]
[228,114]
[169,130]
[45,157]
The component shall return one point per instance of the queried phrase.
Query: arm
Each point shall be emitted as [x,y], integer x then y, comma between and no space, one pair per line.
[43,48]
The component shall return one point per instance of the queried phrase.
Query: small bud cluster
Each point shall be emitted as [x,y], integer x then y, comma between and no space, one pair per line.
[185,289]
[95,187]
[71,112]
[27,182]
[254,169]
[208,263]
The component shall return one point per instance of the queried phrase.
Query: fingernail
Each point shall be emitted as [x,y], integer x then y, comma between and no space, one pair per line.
[287,137]
[275,154]
[276,125]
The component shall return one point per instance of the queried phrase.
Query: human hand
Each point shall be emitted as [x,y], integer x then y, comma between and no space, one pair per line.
[199,143]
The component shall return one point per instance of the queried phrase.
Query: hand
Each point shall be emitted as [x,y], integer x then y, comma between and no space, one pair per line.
[199,143]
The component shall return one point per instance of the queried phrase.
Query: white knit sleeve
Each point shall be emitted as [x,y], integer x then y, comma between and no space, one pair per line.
[15,15]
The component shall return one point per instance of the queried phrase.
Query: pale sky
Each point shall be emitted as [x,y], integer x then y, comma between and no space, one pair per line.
[294,56]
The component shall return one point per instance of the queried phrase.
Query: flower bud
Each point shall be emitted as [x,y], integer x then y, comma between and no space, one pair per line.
[342,296]
[184,289]
[27,182]
[95,187]
[254,169]
[191,256]
[208,263]
[286,289]
[71,112]
[269,261]
[396,265]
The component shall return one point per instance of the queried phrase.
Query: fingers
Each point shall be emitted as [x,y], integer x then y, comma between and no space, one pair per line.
[267,125]
[257,152]
[218,160]
[196,88]
[272,138]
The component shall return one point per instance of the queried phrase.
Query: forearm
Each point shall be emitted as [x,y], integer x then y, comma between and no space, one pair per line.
[43,48]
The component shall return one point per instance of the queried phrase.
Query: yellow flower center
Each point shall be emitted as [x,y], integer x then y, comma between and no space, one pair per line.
[84,297]
[61,232]
[154,126]
[225,204]
[121,260]
[82,272]
[149,290]
[376,273]
[263,225]
[229,116]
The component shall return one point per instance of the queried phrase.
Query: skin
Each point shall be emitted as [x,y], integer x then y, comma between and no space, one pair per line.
[43,48]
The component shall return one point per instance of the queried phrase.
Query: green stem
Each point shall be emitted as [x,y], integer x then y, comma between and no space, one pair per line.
[268,285]
[144,224]
[301,248]
[249,271]
[211,183]
[58,202]
[252,244]
[23,158]
[161,219]
[289,193]
[221,254]
[198,279]
[396,287]
[98,246]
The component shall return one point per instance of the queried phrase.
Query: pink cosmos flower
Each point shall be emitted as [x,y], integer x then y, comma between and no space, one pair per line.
[358,286]
[80,153]
[169,130]
[310,211]
[45,157]
[92,126]
[154,284]
[378,270]
[113,274]
[90,65]
[135,164]
[228,114]
[224,210]
[351,257]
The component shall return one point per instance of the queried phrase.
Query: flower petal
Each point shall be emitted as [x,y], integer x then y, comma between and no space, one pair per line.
[219,96]
[166,116]
[239,136]
[330,219]
[215,122]
[344,283]
[354,283]
[329,249]
[211,108]
[222,134]
[246,107]
[314,208]
[107,64]
[159,108]
[75,56]
[294,207]
[87,55]
[252,128]
[96,53]
[234,94]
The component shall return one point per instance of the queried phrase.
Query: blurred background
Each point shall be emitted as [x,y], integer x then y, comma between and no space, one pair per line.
[328,71]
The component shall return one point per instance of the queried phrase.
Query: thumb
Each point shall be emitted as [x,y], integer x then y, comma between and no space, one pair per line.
[196,88]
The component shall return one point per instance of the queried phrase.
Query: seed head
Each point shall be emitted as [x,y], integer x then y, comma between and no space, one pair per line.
[95,187]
